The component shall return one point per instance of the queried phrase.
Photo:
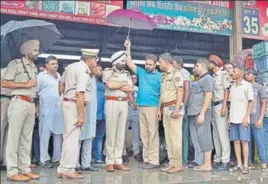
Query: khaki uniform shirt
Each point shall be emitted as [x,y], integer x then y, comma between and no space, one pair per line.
[221,83]
[240,95]
[4,91]
[76,78]
[112,74]
[15,72]
[171,81]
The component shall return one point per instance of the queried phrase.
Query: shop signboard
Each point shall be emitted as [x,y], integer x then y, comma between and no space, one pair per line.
[254,22]
[214,17]
[93,12]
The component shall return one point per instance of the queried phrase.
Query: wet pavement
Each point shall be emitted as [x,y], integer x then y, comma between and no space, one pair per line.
[140,176]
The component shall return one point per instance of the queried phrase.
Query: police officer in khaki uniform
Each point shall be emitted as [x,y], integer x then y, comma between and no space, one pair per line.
[118,86]
[75,85]
[171,105]
[20,76]
[219,114]
[5,100]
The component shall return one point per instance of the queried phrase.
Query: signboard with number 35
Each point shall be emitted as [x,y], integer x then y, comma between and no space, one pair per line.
[254,23]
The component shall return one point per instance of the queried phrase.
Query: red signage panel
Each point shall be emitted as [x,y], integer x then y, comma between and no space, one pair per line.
[93,12]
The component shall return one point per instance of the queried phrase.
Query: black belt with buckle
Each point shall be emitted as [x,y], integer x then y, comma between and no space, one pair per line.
[6,96]
[217,103]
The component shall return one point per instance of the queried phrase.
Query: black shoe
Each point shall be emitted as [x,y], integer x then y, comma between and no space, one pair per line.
[78,170]
[150,166]
[90,169]
[46,164]
[56,164]
[223,167]
[192,164]
[125,158]
[214,165]
[138,157]
[3,168]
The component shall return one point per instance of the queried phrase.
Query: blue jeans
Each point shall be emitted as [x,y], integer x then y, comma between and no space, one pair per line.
[265,141]
[185,136]
[97,143]
[258,135]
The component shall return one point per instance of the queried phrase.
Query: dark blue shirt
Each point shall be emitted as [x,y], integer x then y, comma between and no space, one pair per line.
[100,100]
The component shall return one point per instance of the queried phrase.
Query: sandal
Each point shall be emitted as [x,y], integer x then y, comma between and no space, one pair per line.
[245,170]
[236,169]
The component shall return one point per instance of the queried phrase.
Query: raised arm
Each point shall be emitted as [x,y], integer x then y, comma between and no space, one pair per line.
[130,64]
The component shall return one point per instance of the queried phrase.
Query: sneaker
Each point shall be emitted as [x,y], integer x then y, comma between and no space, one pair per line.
[150,166]
[236,169]
[78,170]
[46,164]
[99,162]
[56,164]
[214,165]
[192,164]
[223,167]
[142,164]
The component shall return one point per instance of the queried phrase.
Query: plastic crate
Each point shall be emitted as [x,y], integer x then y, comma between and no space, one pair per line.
[261,63]
[262,77]
[260,49]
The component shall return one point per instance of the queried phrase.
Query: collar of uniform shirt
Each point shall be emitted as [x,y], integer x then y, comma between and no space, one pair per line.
[26,61]
[85,65]
[170,70]
[115,69]
[217,73]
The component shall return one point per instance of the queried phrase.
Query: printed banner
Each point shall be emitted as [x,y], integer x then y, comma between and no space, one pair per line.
[254,22]
[214,17]
[92,12]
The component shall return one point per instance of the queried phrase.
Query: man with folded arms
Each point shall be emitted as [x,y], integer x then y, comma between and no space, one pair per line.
[20,76]
[118,88]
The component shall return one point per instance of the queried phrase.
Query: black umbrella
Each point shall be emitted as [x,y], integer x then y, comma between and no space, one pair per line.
[14,33]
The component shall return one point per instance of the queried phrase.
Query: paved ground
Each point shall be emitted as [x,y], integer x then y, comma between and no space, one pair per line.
[139,176]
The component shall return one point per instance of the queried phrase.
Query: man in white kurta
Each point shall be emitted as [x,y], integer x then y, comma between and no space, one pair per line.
[88,131]
[50,116]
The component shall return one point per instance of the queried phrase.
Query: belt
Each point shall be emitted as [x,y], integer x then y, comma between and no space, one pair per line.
[5,96]
[71,100]
[217,103]
[116,98]
[25,98]
[169,103]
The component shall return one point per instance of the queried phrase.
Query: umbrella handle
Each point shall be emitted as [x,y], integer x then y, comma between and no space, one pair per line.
[129,28]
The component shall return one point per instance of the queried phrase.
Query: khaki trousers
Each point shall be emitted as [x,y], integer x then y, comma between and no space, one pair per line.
[149,134]
[4,128]
[173,136]
[21,119]
[220,136]
[116,119]
[71,135]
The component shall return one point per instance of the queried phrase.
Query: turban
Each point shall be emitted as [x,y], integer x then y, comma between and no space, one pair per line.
[216,60]
[118,56]
[29,46]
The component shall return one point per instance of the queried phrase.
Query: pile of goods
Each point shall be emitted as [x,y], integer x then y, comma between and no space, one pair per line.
[260,54]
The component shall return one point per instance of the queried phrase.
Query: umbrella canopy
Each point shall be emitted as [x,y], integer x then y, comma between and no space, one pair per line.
[131,18]
[14,33]
[240,57]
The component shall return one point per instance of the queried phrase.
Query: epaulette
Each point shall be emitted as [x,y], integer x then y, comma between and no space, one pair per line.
[108,69]
[16,61]
[127,72]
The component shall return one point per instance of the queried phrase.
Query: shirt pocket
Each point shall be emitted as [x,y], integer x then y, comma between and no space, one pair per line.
[169,84]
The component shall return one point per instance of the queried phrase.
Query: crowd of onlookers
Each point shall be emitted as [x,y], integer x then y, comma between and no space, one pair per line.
[218,106]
